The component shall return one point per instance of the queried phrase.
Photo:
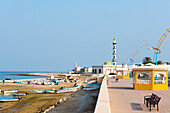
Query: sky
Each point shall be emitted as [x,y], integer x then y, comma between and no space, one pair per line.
[51,35]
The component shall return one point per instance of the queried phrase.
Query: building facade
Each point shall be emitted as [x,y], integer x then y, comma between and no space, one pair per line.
[105,69]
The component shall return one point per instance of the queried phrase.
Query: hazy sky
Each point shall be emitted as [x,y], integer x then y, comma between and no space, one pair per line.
[51,35]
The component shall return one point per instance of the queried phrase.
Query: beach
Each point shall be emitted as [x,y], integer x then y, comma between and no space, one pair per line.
[35,102]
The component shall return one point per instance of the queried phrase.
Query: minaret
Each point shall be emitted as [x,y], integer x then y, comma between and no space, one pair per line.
[114,52]
[75,64]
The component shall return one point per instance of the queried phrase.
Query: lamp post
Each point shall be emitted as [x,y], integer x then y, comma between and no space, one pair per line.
[156,52]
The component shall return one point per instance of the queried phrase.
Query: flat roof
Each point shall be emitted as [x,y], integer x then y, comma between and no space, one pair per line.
[150,68]
[121,69]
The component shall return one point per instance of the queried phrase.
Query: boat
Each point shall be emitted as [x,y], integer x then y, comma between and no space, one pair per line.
[61,79]
[9,81]
[56,82]
[92,82]
[47,83]
[9,99]
[33,81]
[92,85]
[16,81]
[91,88]
[66,90]
[75,87]
[19,94]
[39,91]
[39,83]
[9,92]
[26,81]
[51,91]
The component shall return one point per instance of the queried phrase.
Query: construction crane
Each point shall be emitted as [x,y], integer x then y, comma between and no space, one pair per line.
[126,60]
[137,52]
[157,49]
[132,58]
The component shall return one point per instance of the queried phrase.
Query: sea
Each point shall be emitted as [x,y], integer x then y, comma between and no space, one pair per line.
[13,75]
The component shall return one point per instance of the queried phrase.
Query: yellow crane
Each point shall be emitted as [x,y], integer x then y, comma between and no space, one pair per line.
[126,60]
[132,58]
[157,49]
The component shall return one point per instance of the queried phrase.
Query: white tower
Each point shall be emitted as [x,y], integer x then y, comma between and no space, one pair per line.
[114,52]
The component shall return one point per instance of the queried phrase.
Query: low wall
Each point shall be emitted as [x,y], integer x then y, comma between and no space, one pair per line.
[103,105]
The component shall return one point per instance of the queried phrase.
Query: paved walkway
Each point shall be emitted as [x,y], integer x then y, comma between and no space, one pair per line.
[123,99]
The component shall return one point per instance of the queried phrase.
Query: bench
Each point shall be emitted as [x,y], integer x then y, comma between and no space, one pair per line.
[116,79]
[148,97]
[152,100]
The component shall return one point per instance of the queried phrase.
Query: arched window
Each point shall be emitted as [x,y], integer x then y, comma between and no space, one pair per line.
[100,71]
[95,71]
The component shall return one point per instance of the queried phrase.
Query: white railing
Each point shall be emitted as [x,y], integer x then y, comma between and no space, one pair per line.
[160,82]
[143,81]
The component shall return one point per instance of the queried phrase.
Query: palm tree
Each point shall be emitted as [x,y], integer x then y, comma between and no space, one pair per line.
[147,60]
[159,62]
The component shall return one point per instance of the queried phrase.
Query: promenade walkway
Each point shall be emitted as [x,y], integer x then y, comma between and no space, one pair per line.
[123,99]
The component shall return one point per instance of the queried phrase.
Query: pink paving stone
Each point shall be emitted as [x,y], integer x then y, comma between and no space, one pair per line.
[124,99]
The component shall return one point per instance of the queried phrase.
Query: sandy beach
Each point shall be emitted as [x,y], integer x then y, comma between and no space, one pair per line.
[34,102]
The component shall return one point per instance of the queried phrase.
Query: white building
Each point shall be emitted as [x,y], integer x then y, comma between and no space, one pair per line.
[108,67]
[105,69]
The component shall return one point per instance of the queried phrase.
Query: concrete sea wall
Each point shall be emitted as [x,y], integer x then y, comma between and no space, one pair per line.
[103,105]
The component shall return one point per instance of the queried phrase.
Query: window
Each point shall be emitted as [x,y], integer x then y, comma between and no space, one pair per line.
[95,71]
[120,74]
[160,78]
[100,71]
[143,77]
[126,73]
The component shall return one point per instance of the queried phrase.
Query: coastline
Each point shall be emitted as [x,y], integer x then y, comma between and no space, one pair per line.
[40,74]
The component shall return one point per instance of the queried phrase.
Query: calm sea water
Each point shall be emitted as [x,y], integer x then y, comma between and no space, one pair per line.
[7,74]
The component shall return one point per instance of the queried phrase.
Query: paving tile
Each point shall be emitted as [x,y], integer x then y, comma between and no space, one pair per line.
[124,99]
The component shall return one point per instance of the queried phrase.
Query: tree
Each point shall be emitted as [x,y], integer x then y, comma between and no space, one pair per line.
[147,60]
[159,62]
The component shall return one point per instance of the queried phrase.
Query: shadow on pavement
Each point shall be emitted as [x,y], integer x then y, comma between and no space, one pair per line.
[136,106]
[127,88]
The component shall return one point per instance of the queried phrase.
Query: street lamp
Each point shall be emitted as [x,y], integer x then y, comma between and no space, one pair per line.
[156,52]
